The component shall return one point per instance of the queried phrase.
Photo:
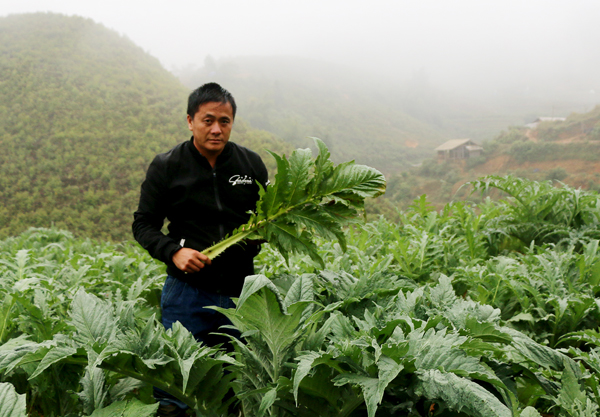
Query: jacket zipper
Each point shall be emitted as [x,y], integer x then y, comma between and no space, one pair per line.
[219,206]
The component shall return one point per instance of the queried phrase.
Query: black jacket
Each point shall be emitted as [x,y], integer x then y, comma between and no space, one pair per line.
[203,205]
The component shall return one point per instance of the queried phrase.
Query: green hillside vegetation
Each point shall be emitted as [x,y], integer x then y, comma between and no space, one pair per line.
[584,126]
[296,98]
[578,137]
[82,113]
[564,152]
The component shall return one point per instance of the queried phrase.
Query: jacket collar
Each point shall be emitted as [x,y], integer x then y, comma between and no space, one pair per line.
[223,156]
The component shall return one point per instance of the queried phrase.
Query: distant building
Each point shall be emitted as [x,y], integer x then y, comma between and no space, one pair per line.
[537,121]
[458,149]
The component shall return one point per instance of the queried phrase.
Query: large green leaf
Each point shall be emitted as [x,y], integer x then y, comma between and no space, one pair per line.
[570,391]
[438,350]
[309,198]
[301,291]
[533,351]
[93,393]
[53,356]
[133,408]
[195,361]
[145,344]
[271,331]
[261,308]
[92,318]
[442,295]
[487,332]
[311,380]
[373,388]
[18,350]
[267,401]
[11,403]
[530,412]
[253,284]
[572,397]
[309,361]
[124,387]
[300,164]
[460,394]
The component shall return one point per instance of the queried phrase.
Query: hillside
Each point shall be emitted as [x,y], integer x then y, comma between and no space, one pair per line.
[82,113]
[567,152]
[297,98]
[387,122]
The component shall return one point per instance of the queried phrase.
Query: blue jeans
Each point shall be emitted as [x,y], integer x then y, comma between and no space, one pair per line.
[186,304]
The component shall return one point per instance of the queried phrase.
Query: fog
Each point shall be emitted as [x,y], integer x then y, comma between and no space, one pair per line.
[489,49]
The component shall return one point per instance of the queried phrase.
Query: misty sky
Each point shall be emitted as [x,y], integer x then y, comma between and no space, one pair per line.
[483,43]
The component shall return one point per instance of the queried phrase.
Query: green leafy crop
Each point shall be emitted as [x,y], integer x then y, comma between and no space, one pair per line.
[443,314]
[309,197]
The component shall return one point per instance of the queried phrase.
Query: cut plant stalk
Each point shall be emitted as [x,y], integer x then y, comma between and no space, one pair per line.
[309,197]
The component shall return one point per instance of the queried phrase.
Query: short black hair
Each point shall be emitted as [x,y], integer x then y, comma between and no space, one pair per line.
[207,93]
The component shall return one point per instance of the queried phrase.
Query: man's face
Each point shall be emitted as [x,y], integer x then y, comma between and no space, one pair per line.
[211,127]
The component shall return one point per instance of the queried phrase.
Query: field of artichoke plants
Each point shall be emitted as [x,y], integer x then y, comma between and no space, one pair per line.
[485,309]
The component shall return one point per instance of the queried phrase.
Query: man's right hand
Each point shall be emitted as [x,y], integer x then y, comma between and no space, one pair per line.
[190,260]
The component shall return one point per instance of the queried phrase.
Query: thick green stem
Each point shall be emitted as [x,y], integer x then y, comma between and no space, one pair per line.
[496,291]
[218,248]
[155,382]
[557,318]
[350,406]
[6,318]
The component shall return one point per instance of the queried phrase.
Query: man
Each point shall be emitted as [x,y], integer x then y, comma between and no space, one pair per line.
[205,188]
